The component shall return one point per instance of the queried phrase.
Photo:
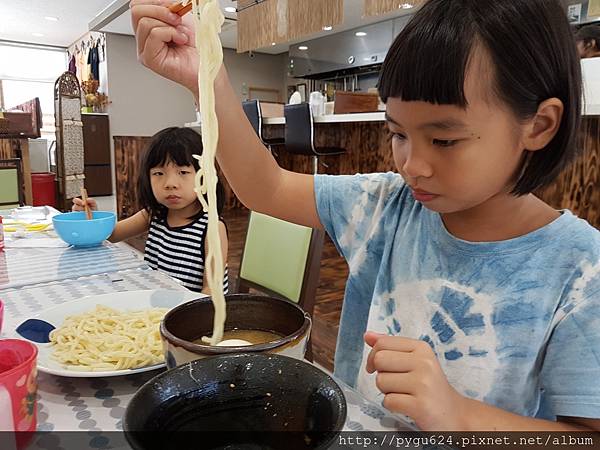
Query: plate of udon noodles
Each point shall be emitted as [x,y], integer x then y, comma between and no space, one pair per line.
[107,335]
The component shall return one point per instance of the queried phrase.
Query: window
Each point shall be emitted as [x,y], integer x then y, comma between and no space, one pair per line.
[29,71]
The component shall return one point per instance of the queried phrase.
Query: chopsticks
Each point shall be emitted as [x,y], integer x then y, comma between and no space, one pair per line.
[180,9]
[88,211]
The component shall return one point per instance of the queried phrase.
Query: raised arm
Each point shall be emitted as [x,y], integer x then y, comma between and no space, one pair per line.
[166,46]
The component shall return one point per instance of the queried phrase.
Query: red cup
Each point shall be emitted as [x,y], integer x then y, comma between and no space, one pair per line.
[18,386]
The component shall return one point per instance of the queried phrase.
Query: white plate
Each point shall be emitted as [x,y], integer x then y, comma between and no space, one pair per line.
[123,301]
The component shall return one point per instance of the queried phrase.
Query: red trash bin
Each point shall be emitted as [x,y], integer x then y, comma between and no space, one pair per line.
[43,189]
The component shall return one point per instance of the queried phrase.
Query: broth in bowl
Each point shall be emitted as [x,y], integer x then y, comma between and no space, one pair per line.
[271,325]
[254,337]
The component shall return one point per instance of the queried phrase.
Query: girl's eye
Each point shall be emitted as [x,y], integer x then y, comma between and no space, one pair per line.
[184,172]
[157,173]
[445,142]
[398,137]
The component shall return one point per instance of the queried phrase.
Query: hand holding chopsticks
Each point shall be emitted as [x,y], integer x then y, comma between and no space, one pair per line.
[181,9]
[86,206]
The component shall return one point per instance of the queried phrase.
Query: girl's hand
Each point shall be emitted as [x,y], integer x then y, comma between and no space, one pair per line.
[78,204]
[414,384]
[165,41]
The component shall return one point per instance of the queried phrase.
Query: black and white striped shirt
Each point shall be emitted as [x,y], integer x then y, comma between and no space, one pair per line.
[179,251]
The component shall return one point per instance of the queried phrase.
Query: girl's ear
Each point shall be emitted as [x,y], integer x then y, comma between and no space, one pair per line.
[541,129]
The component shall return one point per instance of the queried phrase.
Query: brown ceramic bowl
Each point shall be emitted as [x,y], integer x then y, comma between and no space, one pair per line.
[187,323]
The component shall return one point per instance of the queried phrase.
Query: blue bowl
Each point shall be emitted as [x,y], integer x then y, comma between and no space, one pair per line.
[75,229]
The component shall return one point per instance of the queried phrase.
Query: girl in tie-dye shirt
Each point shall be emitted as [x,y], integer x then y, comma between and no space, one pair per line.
[481,301]
[471,304]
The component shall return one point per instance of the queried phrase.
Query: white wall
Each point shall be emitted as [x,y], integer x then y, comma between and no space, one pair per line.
[143,103]
[264,71]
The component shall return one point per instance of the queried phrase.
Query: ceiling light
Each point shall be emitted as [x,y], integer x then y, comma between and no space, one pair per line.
[303,47]
[37,34]
[406,5]
[273,43]
[51,19]
[360,34]
[230,9]
[328,28]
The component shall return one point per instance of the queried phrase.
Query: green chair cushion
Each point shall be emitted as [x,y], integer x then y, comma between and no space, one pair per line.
[275,255]
[9,186]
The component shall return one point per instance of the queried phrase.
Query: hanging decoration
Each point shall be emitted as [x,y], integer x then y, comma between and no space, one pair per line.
[264,22]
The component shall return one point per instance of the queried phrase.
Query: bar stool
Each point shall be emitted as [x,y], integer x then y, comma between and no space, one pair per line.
[300,134]
[254,114]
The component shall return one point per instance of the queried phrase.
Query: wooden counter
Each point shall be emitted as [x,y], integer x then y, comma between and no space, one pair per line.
[369,150]
[335,118]
[578,187]
[128,155]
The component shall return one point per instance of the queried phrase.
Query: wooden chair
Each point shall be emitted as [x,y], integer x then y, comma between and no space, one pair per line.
[283,260]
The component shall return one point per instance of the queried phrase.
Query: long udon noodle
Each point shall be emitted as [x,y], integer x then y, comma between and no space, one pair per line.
[209,19]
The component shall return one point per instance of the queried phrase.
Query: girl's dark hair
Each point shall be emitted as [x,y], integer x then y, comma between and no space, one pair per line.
[176,145]
[589,33]
[531,46]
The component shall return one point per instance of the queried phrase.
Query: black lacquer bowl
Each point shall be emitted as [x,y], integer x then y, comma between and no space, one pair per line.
[248,400]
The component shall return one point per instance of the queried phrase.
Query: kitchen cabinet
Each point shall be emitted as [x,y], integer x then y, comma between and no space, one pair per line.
[96,141]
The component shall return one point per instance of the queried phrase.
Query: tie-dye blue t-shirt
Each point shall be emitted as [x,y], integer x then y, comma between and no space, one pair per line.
[514,323]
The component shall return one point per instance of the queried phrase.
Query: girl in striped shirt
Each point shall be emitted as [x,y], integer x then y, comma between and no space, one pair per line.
[171,215]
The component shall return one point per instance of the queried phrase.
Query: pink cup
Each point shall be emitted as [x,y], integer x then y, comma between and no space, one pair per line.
[18,387]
